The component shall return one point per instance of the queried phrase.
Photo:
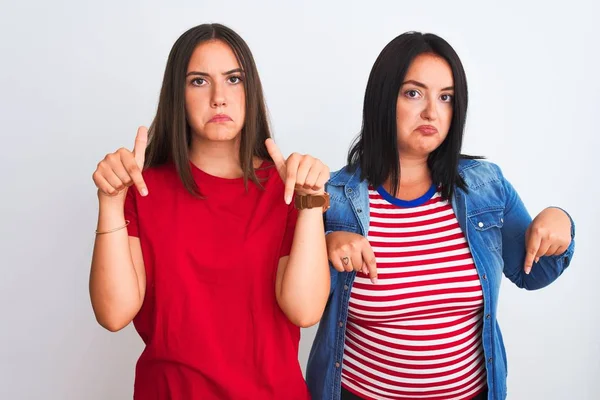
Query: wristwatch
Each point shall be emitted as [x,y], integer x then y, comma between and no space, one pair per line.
[303,202]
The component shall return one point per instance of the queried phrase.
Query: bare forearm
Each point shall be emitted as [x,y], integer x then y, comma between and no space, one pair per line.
[305,283]
[114,282]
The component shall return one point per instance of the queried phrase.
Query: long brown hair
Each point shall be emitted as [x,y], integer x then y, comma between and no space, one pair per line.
[170,134]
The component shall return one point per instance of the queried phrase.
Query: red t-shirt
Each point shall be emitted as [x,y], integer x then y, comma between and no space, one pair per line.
[210,320]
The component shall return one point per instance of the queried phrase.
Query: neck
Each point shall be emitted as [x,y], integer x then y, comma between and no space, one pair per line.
[415,178]
[217,158]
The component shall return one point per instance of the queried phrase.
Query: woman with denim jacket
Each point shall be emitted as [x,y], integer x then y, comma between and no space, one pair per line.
[418,238]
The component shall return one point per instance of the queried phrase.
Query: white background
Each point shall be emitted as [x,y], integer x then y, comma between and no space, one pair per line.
[77,78]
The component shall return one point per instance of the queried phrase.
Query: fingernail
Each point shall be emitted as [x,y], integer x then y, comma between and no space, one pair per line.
[287,199]
[144,192]
[537,259]
[374,280]
[527,270]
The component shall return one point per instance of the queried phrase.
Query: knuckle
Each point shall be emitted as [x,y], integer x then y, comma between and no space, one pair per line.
[131,168]
[308,160]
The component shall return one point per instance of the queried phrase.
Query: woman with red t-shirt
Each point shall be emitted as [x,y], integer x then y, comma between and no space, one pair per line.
[219,264]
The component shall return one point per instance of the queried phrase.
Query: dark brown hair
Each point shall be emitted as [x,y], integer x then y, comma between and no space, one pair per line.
[170,134]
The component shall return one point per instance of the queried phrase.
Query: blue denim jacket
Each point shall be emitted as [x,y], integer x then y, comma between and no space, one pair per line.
[494,221]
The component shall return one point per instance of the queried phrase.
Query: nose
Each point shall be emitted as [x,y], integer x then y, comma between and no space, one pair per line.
[430,112]
[218,97]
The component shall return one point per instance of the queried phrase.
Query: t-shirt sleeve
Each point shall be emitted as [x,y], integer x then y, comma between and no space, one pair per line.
[290,227]
[131,212]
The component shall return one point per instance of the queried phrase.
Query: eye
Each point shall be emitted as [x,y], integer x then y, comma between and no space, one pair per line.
[234,79]
[447,98]
[412,94]
[198,81]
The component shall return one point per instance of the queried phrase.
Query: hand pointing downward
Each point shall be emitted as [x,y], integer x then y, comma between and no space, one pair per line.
[123,168]
[302,173]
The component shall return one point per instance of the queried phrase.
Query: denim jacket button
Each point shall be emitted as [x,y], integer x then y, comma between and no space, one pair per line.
[484,277]
[490,360]
[341,324]
[349,191]
[487,316]
[346,287]
[480,224]
[359,210]
[337,364]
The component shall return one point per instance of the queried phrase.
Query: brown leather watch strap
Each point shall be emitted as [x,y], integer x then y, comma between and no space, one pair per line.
[302,202]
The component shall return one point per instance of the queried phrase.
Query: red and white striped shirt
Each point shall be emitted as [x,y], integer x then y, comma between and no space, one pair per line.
[416,334]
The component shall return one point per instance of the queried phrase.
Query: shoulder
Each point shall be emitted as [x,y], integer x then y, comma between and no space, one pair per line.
[346,182]
[345,176]
[161,176]
[157,171]
[477,173]
[267,170]
[486,186]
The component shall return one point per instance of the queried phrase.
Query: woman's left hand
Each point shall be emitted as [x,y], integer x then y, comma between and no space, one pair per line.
[301,173]
[548,234]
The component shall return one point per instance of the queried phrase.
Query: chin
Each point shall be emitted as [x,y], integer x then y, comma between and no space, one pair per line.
[421,149]
[429,147]
[221,135]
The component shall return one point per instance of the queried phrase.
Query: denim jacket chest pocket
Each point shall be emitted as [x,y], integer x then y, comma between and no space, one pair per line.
[488,224]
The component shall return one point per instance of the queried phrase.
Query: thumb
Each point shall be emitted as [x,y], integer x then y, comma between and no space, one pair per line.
[139,148]
[277,157]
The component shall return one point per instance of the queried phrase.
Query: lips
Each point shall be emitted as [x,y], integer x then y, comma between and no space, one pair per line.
[427,129]
[221,118]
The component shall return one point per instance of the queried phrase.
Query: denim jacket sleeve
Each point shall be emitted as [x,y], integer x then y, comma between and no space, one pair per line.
[516,222]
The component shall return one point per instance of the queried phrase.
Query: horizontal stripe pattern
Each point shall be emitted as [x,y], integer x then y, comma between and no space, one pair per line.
[416,334]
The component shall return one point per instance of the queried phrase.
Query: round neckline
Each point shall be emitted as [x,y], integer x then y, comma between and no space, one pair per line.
[407,203]
[215,178]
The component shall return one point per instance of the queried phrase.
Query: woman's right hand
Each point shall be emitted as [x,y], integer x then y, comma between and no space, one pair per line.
[123,168]
[351,252]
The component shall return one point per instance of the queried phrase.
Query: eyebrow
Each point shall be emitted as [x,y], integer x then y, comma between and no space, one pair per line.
[233,71]
[419,84]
